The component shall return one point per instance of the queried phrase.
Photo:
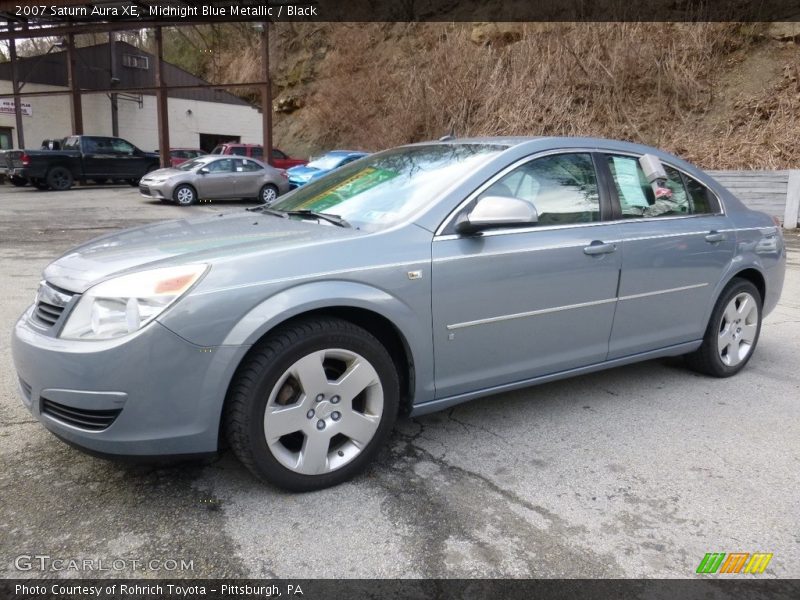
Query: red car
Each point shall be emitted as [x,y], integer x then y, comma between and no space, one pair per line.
[280,159]
[181,155]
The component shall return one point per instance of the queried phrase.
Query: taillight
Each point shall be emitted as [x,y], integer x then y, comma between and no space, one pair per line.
[284,174]
[26,160]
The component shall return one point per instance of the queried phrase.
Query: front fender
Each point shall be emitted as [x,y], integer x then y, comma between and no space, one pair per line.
[306,297]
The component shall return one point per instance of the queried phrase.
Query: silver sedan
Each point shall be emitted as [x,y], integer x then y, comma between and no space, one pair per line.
[215,178]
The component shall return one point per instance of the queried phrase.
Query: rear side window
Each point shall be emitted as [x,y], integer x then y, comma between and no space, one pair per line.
[258,152]
[678,195]
[562,188]
[243,165]
[702,201]
[238,151]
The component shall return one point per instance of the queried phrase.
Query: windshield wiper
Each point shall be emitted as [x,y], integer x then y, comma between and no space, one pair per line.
[270,211]
[335,219]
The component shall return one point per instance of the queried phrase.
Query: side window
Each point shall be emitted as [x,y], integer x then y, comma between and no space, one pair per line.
[562,188]
[703,202]
[249,166]
[258,153]
[239,151]
[635,193]
[221,166]
[121,146]
[276,153]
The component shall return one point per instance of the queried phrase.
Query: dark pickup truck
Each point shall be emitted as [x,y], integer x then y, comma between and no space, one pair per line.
[82,158]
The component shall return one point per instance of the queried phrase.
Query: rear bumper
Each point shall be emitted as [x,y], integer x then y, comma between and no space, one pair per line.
[148,394]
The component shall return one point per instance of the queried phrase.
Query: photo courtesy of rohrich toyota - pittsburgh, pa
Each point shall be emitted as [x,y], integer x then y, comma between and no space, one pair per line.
[312,299]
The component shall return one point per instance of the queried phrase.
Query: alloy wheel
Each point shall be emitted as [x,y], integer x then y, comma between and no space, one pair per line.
[737,329]
[323,411]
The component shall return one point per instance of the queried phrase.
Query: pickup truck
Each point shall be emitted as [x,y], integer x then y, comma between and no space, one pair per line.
[81,158]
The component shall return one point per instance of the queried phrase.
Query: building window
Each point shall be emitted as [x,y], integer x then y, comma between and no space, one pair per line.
[135,61]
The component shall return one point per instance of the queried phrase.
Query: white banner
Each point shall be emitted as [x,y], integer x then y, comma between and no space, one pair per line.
[7,107]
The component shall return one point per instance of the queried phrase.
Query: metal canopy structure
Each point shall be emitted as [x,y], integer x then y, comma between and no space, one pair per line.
[76,17]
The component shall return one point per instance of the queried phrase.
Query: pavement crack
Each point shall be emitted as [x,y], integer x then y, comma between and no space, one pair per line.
[15,423]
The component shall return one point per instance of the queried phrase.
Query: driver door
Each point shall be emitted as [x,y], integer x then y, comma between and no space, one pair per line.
[218,182]
[516,303]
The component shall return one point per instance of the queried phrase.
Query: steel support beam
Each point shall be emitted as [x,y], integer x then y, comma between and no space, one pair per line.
[76,106]
[266,95]
[112,58]
[162,103]
[12,48]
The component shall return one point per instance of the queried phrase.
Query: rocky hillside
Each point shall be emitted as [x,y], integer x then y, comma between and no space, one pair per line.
[723,95]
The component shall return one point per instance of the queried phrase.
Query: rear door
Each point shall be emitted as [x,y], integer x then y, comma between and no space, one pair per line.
[249,177]
[512,304]
[99,159]
[676,245]
[129,162]
[218,182]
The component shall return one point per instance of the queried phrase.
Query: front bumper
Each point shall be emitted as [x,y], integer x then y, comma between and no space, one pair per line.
[161,191]
[161,394]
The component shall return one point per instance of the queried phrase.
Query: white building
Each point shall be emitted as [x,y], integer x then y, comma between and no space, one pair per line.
[198,118]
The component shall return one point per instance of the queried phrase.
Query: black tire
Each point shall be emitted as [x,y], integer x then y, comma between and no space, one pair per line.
[59,179]
[258,377]
[184,195]
[18,181]
[708,358]
[268,194]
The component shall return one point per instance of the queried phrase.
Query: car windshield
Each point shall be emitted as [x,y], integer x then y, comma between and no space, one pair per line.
[191,165]
[327,162]
[383,189]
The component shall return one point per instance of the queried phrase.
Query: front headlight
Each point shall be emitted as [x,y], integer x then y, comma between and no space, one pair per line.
[122,305]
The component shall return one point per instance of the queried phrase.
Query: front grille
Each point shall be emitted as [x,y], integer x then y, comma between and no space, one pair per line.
[93,420]
[47,313]
[144,190]
[50,303]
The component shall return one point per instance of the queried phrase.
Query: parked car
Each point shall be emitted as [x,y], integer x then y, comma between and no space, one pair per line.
[178,156]
[280,159]
[299,331]
[213,177]
[320,166]
[82,158]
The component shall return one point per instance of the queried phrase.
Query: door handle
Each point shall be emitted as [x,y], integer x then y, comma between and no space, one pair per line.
[598,247]
[712,237]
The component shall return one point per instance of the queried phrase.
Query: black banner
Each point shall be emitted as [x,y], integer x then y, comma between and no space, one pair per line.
[149,11]
[407,589]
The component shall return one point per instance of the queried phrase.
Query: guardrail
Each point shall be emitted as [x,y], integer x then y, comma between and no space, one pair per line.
[775,192]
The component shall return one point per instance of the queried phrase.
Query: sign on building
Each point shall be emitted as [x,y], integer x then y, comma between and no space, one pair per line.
[7,107]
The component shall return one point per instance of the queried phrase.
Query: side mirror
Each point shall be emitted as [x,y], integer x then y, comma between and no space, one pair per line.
[497,211]
[203,171]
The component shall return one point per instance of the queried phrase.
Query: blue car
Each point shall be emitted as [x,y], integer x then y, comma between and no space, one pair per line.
[302,174]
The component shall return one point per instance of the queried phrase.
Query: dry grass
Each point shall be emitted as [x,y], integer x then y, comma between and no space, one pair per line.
[384,84]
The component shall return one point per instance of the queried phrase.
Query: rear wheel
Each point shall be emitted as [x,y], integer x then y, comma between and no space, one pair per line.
[59,178]
[268,194]
[312,404]
[184,195]
[732,332]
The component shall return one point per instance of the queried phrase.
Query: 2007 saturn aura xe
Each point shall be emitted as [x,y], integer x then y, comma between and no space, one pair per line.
[408,281]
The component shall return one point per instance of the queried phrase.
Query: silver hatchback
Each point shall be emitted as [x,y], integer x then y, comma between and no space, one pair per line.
[403,283]
[215,178]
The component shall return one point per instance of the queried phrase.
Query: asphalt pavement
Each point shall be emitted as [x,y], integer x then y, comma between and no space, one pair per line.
[634,472]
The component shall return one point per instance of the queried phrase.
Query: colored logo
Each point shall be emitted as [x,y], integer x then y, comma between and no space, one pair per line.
[734,562]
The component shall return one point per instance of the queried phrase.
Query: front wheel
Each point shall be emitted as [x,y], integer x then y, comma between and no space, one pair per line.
[312,404]
[184,195]
[732,333]
[268,194]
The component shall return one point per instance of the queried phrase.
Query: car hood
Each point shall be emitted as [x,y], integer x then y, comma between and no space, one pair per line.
[302,172]
[160,173]
[169,243]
